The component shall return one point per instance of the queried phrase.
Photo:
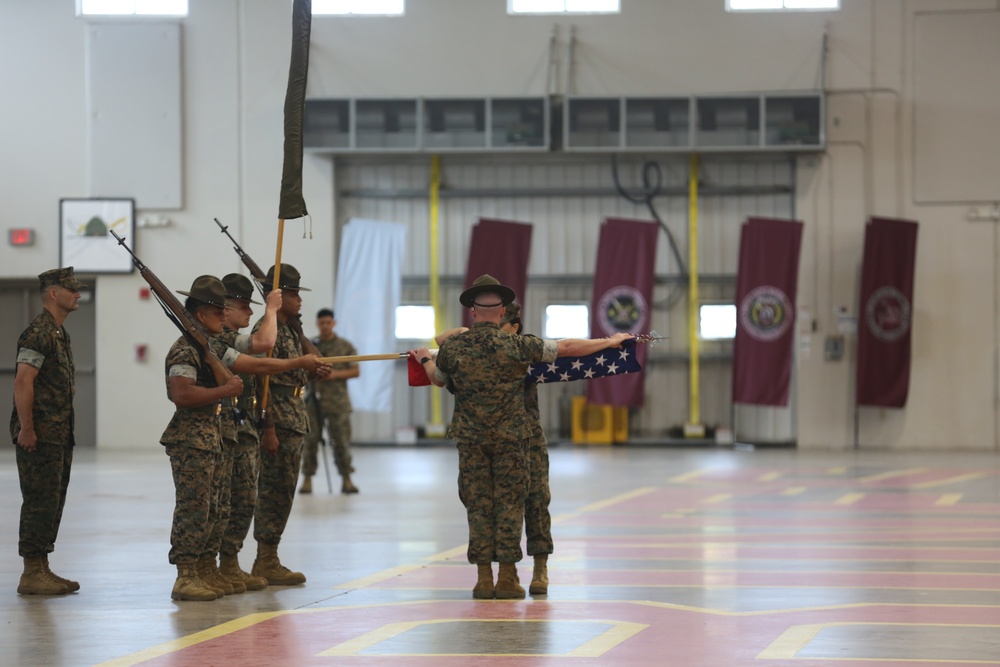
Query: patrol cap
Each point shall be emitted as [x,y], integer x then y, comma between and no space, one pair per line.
[486,283]
[511,312]
[63,277]
[238,286]
[289,278]
[207,289]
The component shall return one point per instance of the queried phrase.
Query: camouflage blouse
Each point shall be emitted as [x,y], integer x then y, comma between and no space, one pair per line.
[241,415]
[289,411]
[201,427]
[45,346]
[333,393]
[486,367]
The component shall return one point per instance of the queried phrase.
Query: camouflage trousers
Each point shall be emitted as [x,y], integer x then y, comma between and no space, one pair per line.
[222,488]
[493,485]
[537,520]
[196,474]
[279,473]
[338,425]
[44,477]
[246,468]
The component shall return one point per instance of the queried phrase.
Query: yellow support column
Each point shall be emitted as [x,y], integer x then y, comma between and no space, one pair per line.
[694,428]
[436,426]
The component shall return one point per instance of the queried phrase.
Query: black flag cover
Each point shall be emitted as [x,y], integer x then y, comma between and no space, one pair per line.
[292,205]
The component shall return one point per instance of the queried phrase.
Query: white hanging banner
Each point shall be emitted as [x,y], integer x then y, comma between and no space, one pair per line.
[369,283]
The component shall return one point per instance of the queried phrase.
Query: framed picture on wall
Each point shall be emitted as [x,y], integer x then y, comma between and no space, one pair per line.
[85,240]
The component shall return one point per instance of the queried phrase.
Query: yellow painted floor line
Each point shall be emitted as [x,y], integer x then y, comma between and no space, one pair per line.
[793,491]
[771,476]
[849,499]
[948,499]
[891,473]
[603,504]
[688,476]
[950,480]
[837,470]
[718,498]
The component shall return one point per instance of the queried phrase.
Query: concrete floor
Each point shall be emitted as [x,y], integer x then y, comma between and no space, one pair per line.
[688,557]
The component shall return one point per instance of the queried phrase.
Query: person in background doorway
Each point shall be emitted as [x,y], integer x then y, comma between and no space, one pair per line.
[330,402]
[41,426]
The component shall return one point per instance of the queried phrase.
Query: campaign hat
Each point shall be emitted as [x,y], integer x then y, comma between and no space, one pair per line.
[238,286]
[207,289]
[289,279]
[486,283]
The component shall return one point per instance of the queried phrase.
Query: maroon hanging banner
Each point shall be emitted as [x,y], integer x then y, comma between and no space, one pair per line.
[501,249]
[766,286]
[886,313]
[623,293]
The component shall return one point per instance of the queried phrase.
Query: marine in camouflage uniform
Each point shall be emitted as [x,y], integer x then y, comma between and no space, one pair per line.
[240,439]
[485,368]
[282,443]
[41,425]
[194,441]
[537,520]
[329,400]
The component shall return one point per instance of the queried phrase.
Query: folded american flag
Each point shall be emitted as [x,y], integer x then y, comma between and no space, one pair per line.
[607,362]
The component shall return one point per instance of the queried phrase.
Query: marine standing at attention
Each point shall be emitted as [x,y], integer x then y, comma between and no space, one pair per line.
[41,426]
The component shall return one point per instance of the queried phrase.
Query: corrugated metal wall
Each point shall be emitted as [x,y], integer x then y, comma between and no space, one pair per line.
[566,197]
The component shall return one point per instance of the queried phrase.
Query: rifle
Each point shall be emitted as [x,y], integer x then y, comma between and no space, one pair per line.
[175,312]
[259,277]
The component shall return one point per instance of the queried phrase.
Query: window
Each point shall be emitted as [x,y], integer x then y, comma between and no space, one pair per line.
[781,5]
[566,320]
[132,7]
[717,321]
[563,6]
[415,323]
[359,7]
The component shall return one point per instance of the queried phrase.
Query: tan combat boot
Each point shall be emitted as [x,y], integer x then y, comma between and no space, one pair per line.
[35,581]
[71,586]
[270,568]
[540,577]
[484,587]
[237,584]
[189,587]
[507,587]
[347,486]
[229,566]
[307,485]
[203,568]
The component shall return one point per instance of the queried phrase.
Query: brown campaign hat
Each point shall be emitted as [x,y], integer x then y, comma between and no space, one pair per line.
[289,278]
[486,283]
[207,289]
[238,286]
[63,277]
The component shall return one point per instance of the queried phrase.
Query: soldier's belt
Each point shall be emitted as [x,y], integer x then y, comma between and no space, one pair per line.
[287,390]
[212,409]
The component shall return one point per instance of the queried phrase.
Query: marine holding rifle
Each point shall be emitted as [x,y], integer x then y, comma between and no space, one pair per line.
[281,443]
[193,438]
